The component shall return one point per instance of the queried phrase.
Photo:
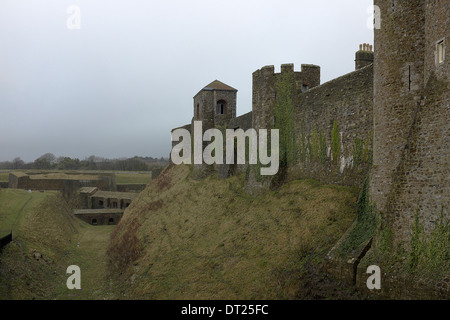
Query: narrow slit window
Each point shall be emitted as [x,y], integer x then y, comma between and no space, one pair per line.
[221,106]
[409,79]
[440,52]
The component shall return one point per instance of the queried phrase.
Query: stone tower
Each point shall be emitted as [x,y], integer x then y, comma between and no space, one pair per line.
[264,89]
[215,105]
[410,174]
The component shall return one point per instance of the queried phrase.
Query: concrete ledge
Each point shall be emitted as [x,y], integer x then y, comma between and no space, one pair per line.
[345,267]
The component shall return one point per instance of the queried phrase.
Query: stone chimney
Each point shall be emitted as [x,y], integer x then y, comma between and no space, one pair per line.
[364,56]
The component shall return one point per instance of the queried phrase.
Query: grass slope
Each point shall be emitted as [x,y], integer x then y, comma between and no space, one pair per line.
[187,239]
[42,229]
[47,239]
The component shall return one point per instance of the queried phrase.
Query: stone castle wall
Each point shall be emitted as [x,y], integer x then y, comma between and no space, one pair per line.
[243,122]
[347,100]
[264,90]
[412,119]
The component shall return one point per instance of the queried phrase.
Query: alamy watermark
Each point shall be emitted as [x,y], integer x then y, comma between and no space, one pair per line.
[374,281]
[74,20]
[74,281]
[213,153]
[374,21]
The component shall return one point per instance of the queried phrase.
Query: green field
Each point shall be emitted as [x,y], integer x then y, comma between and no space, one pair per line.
[133,178]
[4,176]
[121,177]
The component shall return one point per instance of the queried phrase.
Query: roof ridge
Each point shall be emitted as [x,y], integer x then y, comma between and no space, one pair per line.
[218,85]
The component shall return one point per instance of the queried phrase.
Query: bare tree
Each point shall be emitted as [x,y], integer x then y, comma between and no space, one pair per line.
[17,163]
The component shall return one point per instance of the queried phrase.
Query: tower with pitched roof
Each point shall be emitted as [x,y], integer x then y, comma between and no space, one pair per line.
[215,105]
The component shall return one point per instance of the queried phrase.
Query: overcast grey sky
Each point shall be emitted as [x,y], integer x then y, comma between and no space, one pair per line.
[116,86]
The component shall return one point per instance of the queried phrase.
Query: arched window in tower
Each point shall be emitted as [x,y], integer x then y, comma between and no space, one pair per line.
[221,106]
[197,114]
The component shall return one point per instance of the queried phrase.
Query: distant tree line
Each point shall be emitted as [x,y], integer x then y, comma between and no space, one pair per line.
[49,161]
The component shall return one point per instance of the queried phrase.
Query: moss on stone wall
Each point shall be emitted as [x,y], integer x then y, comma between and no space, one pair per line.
[432,252]
[358,147]
[284,119]
[366,223]
[314,144]
[367,152]
[335,142]
[424,255]
[322,148]
[303,148]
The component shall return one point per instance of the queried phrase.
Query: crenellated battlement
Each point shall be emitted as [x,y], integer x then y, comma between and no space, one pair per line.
[310,73]
[264,88]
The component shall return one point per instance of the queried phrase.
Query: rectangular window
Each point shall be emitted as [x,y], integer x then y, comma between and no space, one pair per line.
[304,87]
[440,52]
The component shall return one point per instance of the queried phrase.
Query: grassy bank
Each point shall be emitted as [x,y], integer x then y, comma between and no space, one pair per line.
[187,239]
[47,239]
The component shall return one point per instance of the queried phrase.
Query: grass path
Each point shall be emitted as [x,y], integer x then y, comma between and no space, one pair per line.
[42,224]
[90,255]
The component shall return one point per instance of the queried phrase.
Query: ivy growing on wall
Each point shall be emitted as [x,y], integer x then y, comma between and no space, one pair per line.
[284,119]
[317,146]
[302,148]
[432,252]
[322,148]
[358,147]
[366,222]
[335,142]
[367,153]
[314,144]
[310,150]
